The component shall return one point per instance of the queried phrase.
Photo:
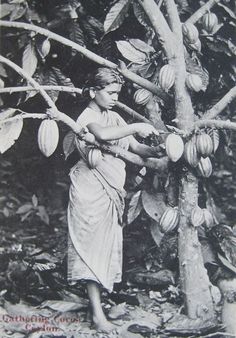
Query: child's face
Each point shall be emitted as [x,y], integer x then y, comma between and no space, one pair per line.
[107,97]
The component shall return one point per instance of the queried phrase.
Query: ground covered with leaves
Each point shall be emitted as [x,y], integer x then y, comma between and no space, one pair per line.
[36,300]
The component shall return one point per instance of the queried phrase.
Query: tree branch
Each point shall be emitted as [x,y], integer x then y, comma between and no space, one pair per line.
[160,25]
[201,11]
[120,105]
[219,124]
[153,163]
[33,83]
[87,53]
[221,105]
[174,19]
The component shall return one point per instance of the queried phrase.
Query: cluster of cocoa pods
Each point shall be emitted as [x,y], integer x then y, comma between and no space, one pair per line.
[201,216]
[196,151]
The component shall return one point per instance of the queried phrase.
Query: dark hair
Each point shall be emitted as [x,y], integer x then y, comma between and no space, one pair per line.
[101,78]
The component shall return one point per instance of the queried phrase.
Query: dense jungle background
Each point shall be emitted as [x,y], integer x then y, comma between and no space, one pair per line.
[34,188]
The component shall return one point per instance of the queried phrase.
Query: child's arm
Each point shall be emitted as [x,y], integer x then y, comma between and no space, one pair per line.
[117,132]
[143,150]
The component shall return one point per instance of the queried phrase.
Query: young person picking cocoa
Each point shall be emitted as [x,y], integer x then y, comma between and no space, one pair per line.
[96,200]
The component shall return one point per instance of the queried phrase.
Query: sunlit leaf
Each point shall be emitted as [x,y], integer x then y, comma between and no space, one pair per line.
[3,72]
[135,207]
[141,15]
[43,215]
[24,208]
[9,133]
[142,46]
[17,12]
[6,9]
[115,17]
[62,306]
[29,59]
[156,233]
[69,144]
[153,204]
[130,52]
[6,113]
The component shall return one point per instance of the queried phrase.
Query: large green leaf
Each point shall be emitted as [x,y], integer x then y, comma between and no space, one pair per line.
[135,207]
[9,133]
[115,17]
[130,52]
[29,59]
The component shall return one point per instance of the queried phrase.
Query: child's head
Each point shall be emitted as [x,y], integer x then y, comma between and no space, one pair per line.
[103,86]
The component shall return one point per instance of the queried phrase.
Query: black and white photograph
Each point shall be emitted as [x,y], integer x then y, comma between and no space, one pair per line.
[117,168]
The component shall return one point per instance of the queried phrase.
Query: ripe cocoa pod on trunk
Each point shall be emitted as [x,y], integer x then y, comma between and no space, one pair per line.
[205,167]
[215,137]
[190,152]
[174,147]
[197,46]
[208,219]
[166,77]
[190,32]
[48,137]
[204,144]
[142,96]
[194,82]
[169,220]
[94,157]
[209,22]
[197,216]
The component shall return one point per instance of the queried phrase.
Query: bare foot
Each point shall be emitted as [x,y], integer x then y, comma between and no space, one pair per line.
[102,324]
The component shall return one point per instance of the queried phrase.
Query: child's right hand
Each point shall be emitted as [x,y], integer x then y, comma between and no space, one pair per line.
[145,129]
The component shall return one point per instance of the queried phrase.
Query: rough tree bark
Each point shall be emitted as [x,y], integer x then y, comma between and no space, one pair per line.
[194,278]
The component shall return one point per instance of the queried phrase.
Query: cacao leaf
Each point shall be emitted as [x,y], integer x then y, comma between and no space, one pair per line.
[43,215]
[228,11]
[24,208]
[156,233]
[9,133]
[90,32]
[135,207]
[18,12]
[116,15]
[62,306]
[226,263]
[29,59]
[130,53]
[69,144]
[153,204]
[76,34]
[34,200]
[141,15]
[96,24]
[3,72]
[6,113]
[6,9]
[142,46]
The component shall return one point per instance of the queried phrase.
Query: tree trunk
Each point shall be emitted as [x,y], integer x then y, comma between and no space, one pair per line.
[193,275]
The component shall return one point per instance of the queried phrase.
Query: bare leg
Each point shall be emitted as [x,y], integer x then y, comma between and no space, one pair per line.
[98,316]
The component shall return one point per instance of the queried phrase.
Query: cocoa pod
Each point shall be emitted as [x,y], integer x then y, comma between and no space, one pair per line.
[166,77]
[190,32]
[142,96]
[215,137]
[204,167]
[174,147]
[169,220]
[197,216]
[196,46]
[208,219]
[204,144]
[190,152]
[48,137]
[209,22]
[94,157]
[194,82]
